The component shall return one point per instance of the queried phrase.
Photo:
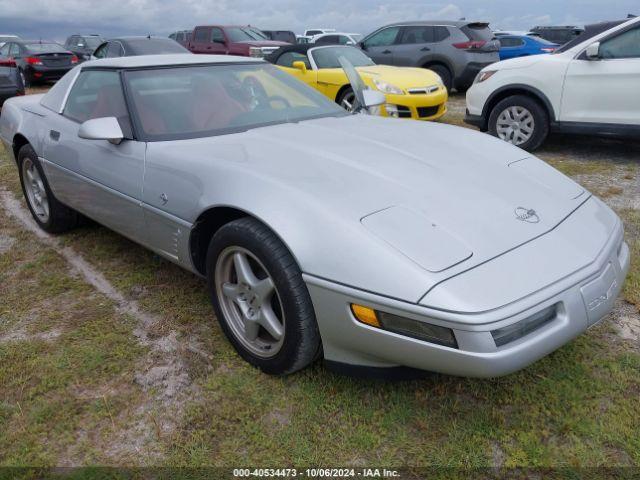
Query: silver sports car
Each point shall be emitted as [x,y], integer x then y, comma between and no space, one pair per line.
[369,242]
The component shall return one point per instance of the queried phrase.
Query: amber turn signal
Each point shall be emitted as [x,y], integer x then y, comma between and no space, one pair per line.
[365,315]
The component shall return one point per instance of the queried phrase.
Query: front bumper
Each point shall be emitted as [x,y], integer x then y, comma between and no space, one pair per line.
[590,296]
[417,107]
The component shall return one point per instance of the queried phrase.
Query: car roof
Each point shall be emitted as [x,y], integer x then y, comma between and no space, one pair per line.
[177,59]
[452,23]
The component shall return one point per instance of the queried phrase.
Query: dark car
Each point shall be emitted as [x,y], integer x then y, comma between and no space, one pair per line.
[558,34]
[182,37]
[10,81]
[232,40]
[134,46]
[455,50]
[39,60]
[281,36]
[83,46]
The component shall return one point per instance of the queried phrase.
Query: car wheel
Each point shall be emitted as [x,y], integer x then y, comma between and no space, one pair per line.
[50,215]
[347,99]
[261,301]
[445,75]
[521,121]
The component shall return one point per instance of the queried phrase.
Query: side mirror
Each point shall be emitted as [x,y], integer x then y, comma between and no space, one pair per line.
[300,66]
[362,46]
[373,98]
[593,51]
[106,128]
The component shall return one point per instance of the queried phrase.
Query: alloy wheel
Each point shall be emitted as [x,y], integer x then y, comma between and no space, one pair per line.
[250,302]
[35,190]
[515,125]
[348,101]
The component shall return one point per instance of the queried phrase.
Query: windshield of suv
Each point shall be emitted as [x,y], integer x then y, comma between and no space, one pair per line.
[244,34]
[327,57]
[202,101]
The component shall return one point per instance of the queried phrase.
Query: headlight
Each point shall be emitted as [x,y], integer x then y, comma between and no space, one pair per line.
[385,87]
[484,75]
[255,52]
[408,327]
[438,79]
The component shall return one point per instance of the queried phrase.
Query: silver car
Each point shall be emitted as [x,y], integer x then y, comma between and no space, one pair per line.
[368,242]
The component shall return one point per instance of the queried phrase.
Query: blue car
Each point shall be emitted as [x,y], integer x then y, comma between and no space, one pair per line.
[512,46]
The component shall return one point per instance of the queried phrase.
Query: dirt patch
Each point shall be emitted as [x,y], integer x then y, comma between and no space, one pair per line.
[626,320]
[6,242]
[162,373]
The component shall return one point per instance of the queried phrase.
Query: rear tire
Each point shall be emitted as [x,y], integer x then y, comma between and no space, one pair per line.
[26,81]
[521,121]
[50,215]
[261,301]
[445,75]
[347,99]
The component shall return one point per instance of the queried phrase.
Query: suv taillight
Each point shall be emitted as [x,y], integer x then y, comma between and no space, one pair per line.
[471,45]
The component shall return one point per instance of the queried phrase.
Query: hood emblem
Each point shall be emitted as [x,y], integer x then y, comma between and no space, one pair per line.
[528,215]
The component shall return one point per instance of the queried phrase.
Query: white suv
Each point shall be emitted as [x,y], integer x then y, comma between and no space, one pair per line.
[591,85]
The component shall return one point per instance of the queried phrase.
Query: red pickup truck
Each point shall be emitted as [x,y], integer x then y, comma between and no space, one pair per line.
[232,40]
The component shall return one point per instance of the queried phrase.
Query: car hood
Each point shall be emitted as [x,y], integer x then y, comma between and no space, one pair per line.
[481,196]
[520,62]
[402,77]
[264,43]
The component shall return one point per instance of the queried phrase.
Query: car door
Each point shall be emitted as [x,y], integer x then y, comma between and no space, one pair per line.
[605,90]
[218,42]
[381,45]
[415,46]
[201,40]
[286,60]
[96,177]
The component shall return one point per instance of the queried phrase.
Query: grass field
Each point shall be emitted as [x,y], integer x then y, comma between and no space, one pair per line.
[110,355]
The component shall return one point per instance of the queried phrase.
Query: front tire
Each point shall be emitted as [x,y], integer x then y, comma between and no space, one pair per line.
[521,121]
[347,99]
[50,215]
[261,301]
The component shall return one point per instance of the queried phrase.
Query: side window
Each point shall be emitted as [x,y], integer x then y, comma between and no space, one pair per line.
[4,50]
[14,50]
[343,40]
[625,45]
[440,33]
[179,37]
[201,35]
[287,59]
[417,34]
[101,51]
[172,36]
[217,35]
[511,42]
[98,94]
[115,50]
[383,38]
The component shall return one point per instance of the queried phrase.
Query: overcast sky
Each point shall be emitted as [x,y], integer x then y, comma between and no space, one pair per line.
[55,19]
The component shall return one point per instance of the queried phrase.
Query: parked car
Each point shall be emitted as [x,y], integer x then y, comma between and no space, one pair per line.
[10,80]
[281,36]
[588,86]
[4,38]
[83,46]
[232,40]
[38,60]
[336,39]
[135,46]
[312,32]
[501,33]
[456,51]
[558,34]
[514,46]
[183,37]
[370,242]
[410,92]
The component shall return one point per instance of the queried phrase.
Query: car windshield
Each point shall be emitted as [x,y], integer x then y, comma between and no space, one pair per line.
[202,101]
[44,47]
[589,32]
[327,57]
[244,34]
[93,42]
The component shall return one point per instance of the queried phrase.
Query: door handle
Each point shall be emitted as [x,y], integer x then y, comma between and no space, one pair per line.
[387,51]
[54,135]
[425,49]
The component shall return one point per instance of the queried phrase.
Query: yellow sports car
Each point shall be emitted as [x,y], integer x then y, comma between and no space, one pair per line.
[411,92]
